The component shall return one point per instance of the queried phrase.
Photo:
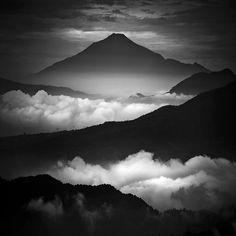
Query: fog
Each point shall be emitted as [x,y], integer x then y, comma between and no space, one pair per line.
[199,183]
[22,113]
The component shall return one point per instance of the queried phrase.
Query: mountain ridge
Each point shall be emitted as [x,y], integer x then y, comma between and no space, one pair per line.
[114,39]
[203,82]
[115,58]
[202,126]
[41,205]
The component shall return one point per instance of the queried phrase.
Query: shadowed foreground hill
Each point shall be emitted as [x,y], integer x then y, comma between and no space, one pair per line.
[203,82]
[205,125]
[44,206]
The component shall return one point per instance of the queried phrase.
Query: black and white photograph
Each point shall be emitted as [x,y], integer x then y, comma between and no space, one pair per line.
[117,118]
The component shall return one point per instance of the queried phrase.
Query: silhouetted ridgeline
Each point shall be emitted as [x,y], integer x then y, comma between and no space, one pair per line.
[42,205]
[117,53]
[203,82]
[205,125]
[112,60]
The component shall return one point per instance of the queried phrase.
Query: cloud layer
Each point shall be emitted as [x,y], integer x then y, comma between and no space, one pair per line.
[74,208]
[199,183]
[46,113]
[43,112]
[51,208]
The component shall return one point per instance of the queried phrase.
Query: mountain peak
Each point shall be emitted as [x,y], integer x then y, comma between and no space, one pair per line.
[117,36]
[118,45]
[114,59]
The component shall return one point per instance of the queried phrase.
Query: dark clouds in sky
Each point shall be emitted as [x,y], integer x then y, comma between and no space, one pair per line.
[34,34]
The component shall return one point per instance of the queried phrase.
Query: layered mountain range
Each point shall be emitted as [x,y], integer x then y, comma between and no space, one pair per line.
[42,205]
[204,125]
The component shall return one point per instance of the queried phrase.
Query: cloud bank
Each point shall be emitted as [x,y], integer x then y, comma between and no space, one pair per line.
[199,183]
[161,98]
[43,112]
[71,208]
[46,113]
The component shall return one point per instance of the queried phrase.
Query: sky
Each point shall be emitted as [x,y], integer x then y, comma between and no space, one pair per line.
[36,34]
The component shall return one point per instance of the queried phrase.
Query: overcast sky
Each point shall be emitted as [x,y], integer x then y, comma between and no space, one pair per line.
[37,33]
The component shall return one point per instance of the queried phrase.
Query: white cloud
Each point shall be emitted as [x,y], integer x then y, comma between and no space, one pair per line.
[45,113]
[199,183]
[75,206]
[51,208]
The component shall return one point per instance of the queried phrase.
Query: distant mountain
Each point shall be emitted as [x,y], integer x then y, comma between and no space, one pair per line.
[8,85]
[138,95]
[43,206]
[116,64]
[141,98]
[205,125]
[203,82]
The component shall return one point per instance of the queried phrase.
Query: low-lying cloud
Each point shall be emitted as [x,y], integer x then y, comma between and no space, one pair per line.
[199,183]
[52,208]
[46,113]
[160,98]
[70,208]
[91,216]
[43,112]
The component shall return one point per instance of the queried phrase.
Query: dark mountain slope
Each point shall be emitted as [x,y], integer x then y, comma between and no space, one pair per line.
[44,185]
[114,59]
[203,82]
[117,53]
[41,205]
[205,125]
